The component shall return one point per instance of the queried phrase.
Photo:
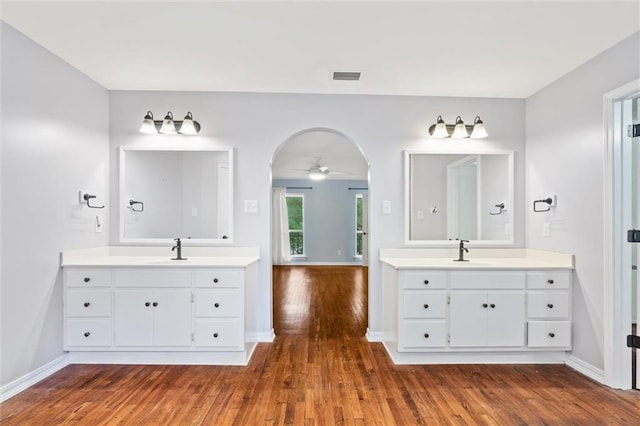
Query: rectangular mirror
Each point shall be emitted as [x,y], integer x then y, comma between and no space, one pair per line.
[458,195]
[168,193]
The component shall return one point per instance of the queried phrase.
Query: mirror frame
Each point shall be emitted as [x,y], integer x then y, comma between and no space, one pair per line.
[452,243]
[122,202]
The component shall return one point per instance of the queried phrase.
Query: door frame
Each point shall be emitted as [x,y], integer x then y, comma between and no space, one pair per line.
[617,260]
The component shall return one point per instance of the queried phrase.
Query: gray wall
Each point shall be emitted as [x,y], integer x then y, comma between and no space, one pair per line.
[54,143]
[564,133]
[329,219]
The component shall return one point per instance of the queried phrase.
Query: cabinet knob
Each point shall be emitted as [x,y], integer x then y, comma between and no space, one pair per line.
[216,305]
[215,280]
[552,335]
[147,304]
[426,335]
[484,305]
[86,279]
[426,282]
[493,305]
[87,334]
[550,281]
[87,304]
[215,335]
[550,305]
[426,306]
[155,304]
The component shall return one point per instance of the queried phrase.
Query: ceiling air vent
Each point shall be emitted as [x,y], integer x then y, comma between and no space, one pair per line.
[345,75]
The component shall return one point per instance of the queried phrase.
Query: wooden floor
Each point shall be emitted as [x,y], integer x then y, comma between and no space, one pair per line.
[320,370]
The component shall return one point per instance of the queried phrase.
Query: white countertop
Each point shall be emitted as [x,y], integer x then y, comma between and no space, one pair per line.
[135,256]
[478,259]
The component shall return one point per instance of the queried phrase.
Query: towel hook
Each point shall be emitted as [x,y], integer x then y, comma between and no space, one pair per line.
[87,198]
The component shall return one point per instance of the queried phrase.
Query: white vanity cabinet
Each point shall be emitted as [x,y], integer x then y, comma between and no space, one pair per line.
[117,310]
[486,309]
[462,313]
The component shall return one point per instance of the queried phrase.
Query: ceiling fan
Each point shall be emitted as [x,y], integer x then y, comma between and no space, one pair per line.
[318,172]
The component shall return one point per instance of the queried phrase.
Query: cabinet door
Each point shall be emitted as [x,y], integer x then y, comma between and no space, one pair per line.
[468,319]
[505,319]
[172,317]
[134,317]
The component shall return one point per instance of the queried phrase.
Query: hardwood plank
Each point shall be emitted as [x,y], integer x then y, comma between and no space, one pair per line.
[320,370]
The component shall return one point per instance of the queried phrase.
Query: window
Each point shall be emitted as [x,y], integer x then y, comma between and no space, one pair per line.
[358,225]
[295,210]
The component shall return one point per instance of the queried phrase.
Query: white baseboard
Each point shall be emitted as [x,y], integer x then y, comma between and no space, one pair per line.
[587,369]
[374,336]
[30,379]
[265,336]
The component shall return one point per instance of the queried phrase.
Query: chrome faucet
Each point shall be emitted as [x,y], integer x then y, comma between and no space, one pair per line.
[461,250]
[178,246]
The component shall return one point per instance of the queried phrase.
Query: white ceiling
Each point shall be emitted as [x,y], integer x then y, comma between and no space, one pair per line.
[454,48]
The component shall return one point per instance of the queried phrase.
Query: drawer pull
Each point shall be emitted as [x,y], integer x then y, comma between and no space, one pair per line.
[155,304]
[87,304]
[426,335]
[215,335]
[87,334]
[426,306]
[87,279]
[550,305]
[484,305]
[147,304]
[215,280]
[493,305]
[552,335]
[550,282]
[216,305]
[426,282]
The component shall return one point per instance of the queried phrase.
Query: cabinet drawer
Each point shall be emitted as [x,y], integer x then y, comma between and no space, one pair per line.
[152,277]
[423,334]
[549,280]
[547,304]
[89,332]
[424,279]
[219,333]
[88,302]
[87,278]
[549,334]
[482,280]
[222,277]
[424,304]
[218,303]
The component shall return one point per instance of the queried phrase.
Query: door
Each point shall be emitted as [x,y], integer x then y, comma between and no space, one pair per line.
[134,317]
[172,317]
[505,319]
[635,247]
[468,319]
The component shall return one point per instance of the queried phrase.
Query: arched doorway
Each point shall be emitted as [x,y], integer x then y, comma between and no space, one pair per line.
[320,179]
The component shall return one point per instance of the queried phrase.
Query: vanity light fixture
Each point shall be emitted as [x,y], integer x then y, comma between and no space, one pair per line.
[169,126]
[458,130]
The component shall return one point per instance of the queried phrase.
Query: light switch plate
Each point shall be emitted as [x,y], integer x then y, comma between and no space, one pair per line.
[386,207]
[250,206]
[546,231]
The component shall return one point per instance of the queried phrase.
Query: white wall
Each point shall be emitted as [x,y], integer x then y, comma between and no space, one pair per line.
[256,124]
[564,156]
[54,143]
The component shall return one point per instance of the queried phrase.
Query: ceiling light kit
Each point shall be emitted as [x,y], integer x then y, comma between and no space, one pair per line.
[169,126]
[459,130]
